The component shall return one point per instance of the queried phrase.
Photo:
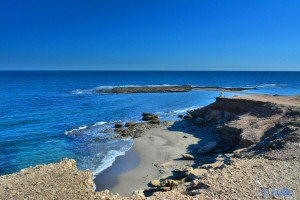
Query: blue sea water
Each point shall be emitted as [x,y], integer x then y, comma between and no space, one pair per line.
[41,111]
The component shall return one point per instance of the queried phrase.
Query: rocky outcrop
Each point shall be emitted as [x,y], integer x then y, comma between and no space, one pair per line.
[146,89]
[54,181]
[245,121]
[163,89]
[119,125]
[149,116]
[129,124]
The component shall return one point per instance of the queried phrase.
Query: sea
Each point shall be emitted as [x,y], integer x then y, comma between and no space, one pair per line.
[46,116]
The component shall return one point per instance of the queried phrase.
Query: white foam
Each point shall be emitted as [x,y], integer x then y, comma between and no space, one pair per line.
[270,85]
[184,110]
[110,158]
[82,91]
[99,123]
[75,129]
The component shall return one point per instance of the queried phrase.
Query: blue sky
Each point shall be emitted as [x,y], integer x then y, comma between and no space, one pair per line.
[150,35]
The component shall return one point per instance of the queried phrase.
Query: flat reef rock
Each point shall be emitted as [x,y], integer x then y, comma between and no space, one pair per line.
[163,89]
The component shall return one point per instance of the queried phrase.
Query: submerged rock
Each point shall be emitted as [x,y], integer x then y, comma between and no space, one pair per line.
[149,117]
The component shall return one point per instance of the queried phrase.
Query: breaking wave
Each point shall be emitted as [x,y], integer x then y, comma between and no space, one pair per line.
[270,85]
[93,90]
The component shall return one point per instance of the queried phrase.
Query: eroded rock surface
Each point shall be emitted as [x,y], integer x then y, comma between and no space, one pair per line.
[245,121]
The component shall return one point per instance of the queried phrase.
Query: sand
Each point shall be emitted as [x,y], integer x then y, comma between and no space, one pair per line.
[158,146]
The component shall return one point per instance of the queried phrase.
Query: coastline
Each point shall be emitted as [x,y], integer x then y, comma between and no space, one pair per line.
[238,147]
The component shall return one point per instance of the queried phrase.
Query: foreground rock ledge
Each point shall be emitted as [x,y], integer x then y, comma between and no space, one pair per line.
[61,180]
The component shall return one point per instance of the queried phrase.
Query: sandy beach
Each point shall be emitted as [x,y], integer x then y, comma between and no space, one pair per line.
[160,148]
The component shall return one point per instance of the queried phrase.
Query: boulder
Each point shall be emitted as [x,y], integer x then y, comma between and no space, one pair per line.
[180,116]
[154,121]
[209,147]
[119,125]
[129,124]
[187,157]
[171,183]
[146,114]
[187,117]
[155,183]
[179,174]
[149,116]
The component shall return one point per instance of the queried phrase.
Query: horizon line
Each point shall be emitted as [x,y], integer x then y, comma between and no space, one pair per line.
[117,70]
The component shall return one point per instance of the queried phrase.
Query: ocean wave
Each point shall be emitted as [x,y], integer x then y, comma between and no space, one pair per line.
[99,123]
[110,158]
[80,128]
[270,85]
[88,129]
[82,91]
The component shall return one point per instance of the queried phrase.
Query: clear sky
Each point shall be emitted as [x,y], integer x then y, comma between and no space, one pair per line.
[150,35]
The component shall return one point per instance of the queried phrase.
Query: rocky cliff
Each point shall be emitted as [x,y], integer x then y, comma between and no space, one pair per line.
[266,121]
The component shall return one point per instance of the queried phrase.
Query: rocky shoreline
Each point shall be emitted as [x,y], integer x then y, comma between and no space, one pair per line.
[255,154]
[164,89]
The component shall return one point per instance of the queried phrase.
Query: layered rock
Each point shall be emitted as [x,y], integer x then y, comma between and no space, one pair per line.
[245,121]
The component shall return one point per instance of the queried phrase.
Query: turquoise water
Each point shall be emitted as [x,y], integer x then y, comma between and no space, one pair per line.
[39,110]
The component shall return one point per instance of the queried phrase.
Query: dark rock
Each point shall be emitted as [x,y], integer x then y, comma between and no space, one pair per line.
[186,117]
[149,116]
[170,183]
[146,114]
[180,116]
[146,89]
[179,174]
[119,125]
[129,124]
[154,121]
